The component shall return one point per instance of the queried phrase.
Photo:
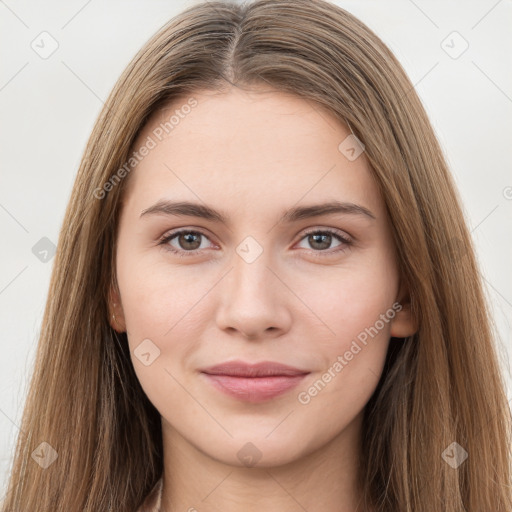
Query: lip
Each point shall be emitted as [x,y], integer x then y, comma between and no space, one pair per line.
[263,369]
[254,382]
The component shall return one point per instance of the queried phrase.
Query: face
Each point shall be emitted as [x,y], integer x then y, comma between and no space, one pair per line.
[253,273]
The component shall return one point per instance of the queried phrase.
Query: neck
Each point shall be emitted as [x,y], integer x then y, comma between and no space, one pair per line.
[325,478]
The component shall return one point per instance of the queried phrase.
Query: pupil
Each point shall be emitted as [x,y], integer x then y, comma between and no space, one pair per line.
[325,244]
[189,239]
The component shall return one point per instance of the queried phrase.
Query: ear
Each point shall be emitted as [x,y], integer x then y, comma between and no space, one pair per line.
[116,314]
[403,324]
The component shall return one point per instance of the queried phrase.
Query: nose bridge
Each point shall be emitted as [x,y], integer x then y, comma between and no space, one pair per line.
[251,277]
[252,300]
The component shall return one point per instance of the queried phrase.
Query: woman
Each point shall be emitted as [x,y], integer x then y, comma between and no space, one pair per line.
[265,295]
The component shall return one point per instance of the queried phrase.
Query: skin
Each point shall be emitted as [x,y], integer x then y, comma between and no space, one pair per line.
[254,155]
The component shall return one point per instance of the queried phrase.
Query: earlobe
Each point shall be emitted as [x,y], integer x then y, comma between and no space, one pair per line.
[403,324]
[116,315]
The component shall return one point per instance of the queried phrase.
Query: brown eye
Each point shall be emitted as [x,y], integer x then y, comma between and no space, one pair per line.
[187,242]
[320,241]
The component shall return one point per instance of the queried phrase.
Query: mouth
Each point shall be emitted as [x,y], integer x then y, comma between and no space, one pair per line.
[254,382]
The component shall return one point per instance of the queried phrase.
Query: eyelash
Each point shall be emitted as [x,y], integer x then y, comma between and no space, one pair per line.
[184,254]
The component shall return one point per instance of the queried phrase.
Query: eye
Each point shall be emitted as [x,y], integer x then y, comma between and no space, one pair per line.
[322,239]
[189,242]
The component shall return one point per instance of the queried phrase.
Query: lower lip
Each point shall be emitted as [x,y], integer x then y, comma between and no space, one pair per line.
[255,389]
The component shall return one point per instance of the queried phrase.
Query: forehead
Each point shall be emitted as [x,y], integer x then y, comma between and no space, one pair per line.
[248,146]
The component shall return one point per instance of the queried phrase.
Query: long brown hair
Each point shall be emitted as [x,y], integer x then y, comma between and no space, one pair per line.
[439,387]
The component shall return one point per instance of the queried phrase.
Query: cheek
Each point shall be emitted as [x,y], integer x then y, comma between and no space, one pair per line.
[360,340]
[156,295]
[162,328]
[170,308]
[350,300]
[356,311]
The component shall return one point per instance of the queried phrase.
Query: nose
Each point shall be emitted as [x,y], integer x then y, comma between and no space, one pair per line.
[254,301]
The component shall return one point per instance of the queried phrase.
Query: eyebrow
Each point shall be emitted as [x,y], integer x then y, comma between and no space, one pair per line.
[191,209]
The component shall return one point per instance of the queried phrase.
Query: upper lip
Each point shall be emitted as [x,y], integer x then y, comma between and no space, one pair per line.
[262,369]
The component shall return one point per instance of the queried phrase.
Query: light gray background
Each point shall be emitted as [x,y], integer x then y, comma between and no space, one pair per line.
[48,108]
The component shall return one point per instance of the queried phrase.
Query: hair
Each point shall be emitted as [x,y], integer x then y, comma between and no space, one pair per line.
[441,385]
